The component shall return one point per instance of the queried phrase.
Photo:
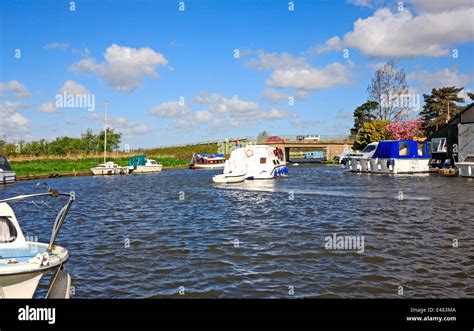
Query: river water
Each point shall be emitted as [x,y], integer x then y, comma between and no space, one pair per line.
[177,234]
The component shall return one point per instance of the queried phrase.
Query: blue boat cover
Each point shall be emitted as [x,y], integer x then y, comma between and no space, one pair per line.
[211,155]
[402,149]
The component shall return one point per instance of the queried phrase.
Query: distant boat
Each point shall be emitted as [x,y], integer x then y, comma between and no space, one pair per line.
[141,164]
[7,175]
[207,161]
[107,168]
[253,162]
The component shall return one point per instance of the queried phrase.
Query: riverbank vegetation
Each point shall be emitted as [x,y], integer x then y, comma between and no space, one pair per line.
[58,166]
[69,155]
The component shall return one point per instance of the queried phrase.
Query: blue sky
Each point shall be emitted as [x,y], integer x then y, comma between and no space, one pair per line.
[143,56]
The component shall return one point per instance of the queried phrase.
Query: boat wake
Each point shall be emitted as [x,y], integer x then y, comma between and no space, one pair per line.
[270,188]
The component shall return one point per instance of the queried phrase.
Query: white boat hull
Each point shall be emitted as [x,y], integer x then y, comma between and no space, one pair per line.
[146,169]
[208,166]
[21,286]
[105,172]
[400,166]
[7,177]
[228,179]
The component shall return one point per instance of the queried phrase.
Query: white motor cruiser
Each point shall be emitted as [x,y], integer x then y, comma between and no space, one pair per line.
[23,263]
[108,168]
[253,162]
[149,166]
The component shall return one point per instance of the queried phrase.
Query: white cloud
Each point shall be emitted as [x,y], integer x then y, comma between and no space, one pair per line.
[437,6]
[295,73]
[56,45]
[15,125]
[9,107]
[361,3]
[170,109]
[124,67]
[69,87]
[17,120]
[310,78]
[217,110]
[14,88]
[424,81]
[273,96]
[276,61]
[124,125]
[49,108]
[333,43]
[400,34]
[72,87]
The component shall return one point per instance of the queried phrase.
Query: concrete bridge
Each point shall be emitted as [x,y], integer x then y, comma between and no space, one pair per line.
[331,147]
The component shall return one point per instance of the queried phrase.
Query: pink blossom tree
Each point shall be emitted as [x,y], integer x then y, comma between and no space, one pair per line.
[405,129]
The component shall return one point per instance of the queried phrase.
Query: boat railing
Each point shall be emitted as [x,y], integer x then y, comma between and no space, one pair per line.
[61,215]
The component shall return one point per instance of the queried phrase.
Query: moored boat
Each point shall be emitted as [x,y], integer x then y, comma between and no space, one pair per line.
[207,161]
[141,164]
[107,168]
[23,263]
[7,175]
[400,156]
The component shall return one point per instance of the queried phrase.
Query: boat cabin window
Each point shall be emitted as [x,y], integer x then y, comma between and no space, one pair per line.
[263,160]
[153,162]
[402,148]
[7,231]
[4,164]
[421,149]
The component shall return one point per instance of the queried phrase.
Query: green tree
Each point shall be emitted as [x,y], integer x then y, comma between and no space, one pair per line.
[362,114]
[435,110]
[90,141]
[262,137]
[371,132]
[113,140]
[387,88]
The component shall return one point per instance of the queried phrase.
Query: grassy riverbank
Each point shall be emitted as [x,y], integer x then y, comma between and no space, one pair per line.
[54,167]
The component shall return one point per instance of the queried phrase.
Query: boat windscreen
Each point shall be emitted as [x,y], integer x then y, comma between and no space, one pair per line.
[4,164]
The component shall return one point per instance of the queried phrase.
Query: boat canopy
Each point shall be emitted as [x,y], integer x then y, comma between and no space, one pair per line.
[210,155]
[402,149]
[4,165]
[137,160]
